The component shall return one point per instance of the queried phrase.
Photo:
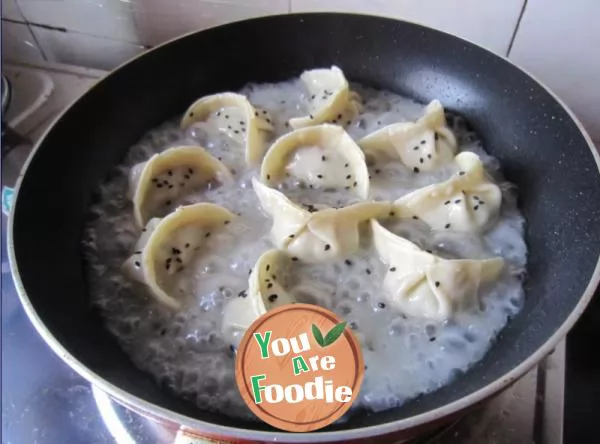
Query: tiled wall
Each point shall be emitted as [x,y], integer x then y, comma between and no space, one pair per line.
[556,40]
[559,43]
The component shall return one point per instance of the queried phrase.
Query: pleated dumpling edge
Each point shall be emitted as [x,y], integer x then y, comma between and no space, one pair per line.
[424,145]
[467,202]
[316,236]
[331,99]
[423,285]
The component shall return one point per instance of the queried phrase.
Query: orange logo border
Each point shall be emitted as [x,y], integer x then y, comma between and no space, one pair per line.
[243,378]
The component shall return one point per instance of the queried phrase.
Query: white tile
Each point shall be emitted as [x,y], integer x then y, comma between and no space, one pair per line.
[559,42]
[18,44]
[104,18]
[159,20]
[84,50]
[488,23]
[10,10]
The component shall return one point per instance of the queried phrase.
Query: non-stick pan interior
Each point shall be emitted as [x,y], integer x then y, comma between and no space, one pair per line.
[539,145]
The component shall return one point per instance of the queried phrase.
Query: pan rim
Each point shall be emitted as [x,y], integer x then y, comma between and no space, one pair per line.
[130,400]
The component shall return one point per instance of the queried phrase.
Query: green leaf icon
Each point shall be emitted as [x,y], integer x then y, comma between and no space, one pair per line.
[334,334]
[318,335]
[330,337]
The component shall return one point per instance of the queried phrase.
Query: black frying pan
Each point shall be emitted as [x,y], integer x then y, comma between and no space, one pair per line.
[541,146]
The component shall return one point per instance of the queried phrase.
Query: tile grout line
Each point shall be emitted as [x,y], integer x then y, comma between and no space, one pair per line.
[31,25]
[35,40]
[517,26]
[37,25]
[37,44]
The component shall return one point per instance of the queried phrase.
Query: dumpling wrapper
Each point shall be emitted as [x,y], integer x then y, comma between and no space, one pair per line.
[314,237]
[264,293]
[168,176]
[167,245]
[426,286]
[330,97]
[324,156]
[424,145]
[237,118]
[467,202]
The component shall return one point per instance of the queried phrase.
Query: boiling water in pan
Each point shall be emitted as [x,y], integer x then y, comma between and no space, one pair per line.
[404,357]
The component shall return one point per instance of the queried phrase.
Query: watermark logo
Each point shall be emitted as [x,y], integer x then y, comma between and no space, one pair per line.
[299,367]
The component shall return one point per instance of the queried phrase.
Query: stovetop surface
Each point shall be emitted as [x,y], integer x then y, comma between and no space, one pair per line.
[582,382]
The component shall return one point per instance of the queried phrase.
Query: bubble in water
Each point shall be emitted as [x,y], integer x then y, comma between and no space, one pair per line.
[226,292]
[516,303]
[454,345]
[412,341]
[344,309]
[432,385]
[238,264]
[203,400]
[508,312]
[363,297]
[353,284]
[396,328]
[197,133]
[210,267]
[455,373]
[189,380]
[207,303]
[430,330]
[470,337]
[210,386]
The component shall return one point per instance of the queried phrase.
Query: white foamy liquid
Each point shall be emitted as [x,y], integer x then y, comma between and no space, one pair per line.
[186,352]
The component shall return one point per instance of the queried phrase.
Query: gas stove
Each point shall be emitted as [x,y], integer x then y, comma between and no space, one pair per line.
[44,401]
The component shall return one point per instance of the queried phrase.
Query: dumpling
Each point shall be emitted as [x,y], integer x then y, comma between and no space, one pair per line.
[466,202]
[316,236]
[323,156]
[155,185]
[265,292]
[167,245]
[234,116]
[424,145]
[331,100]
[426,286]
